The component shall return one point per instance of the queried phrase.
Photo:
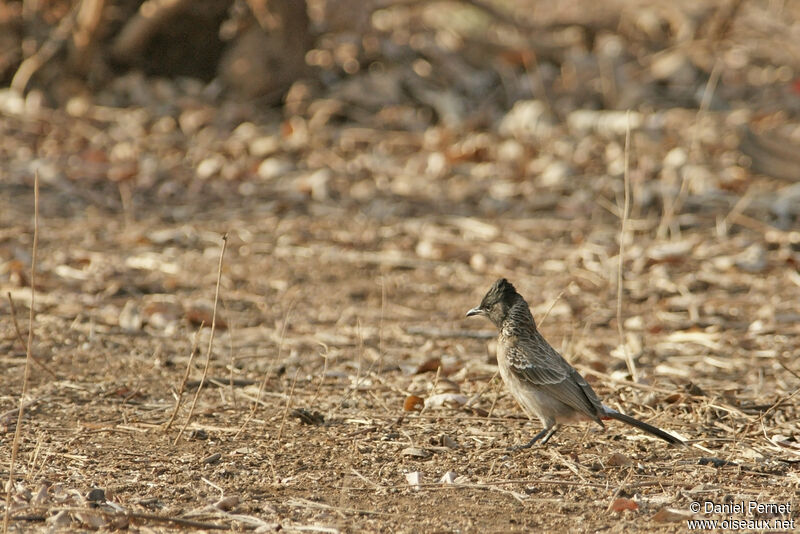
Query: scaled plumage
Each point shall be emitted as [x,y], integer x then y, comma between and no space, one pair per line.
[538,377]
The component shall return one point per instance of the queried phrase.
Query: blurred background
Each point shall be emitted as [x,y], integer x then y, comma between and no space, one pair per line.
[377,165]
[465,106]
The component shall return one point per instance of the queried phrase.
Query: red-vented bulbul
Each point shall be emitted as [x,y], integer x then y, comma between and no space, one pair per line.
[539,378]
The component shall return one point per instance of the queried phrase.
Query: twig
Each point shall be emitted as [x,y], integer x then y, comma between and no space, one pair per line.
[149,517]
[27,373]
[365,479]
[793,373]
[182,387]
[738,208]
[22,341]
[140,29]
[622,235]
[210,340]
[85,34]
[50,48]
[779,402]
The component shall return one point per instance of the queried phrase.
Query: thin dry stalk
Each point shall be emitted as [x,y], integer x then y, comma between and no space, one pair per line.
[368,481]
[779,402]
[435,385]
[483,390]
[22,341]
[182,387]
[125,197]
[550,308]
[232,356]
[322,376]
[738,209]
[28,358]
[360,353]
[210,341]
[45,53]
[623,232]
[496,397]
[359,378]
[268,372]
[619,490]
[288,404]
[380,326]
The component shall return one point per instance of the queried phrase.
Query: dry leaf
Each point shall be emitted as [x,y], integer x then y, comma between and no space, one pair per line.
[622,504]
[416,452]
[413,403]
[429,365]
[619,459]
[447,400]
[668,515]
[227,503]
[198,315]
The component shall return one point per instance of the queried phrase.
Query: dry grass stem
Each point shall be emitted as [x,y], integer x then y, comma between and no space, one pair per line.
[257,401]
[28,356]
[623,235]
[182,387]
[22,342]
[210,341]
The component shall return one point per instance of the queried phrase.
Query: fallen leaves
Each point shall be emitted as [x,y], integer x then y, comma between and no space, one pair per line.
[622,504]
[413,403]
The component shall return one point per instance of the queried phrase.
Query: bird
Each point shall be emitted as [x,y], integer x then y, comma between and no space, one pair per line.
[538,377]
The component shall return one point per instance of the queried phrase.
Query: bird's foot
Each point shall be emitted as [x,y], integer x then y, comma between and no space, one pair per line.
[546,433]
[531,443]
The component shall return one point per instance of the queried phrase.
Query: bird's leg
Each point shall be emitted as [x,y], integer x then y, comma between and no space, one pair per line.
[546,433]
[550,434]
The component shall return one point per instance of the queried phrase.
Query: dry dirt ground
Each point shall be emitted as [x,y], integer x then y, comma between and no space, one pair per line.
[345,391]
[336,315]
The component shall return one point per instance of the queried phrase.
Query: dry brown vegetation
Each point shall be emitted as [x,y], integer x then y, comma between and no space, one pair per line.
[364,217]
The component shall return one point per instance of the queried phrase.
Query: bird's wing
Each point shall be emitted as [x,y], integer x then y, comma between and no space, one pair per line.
[540,365]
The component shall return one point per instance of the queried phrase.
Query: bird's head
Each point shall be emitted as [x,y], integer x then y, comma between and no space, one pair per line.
[497,302]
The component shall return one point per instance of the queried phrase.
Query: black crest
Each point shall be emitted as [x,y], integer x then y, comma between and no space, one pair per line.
[501,291]
[497,302]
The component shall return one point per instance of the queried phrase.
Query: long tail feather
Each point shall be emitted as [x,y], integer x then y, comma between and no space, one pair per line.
[650,429]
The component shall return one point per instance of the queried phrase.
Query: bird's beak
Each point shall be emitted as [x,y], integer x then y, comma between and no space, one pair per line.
[475,311]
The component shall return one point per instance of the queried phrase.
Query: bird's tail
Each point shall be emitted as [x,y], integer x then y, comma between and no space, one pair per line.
[650,429]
